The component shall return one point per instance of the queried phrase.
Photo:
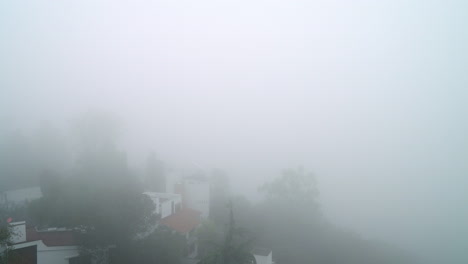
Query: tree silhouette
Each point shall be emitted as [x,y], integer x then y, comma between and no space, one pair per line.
[235,248]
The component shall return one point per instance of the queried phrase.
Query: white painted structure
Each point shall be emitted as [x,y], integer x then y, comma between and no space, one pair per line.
[20,196]
[18,229]
[51,255]
[263,256]
[45,254]
[166,203]
[197,195]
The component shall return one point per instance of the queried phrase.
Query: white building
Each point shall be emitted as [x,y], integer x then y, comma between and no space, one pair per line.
[166,203]
[178,216]
[196,195]
[53,246]
[263,255]
[20,196]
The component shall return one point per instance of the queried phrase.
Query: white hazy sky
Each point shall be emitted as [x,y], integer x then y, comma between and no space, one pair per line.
[370,95]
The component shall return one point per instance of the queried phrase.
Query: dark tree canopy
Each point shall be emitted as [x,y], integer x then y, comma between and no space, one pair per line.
[219,196]
[235,248]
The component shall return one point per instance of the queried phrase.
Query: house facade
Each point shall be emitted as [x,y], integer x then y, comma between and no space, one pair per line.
[166,203]
[263,255]
[184,210]
[195,193]
[51,246]
[177,217]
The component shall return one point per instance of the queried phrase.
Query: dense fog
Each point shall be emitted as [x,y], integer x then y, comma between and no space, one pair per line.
[370,97]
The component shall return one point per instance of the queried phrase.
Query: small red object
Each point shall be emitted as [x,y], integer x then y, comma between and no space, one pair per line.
[9,220]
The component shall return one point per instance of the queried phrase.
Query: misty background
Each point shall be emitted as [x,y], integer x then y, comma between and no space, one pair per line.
[370,96]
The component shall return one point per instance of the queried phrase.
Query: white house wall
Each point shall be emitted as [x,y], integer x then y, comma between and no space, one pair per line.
[166,209]
[263,259]
[51,255]
[57,255]
[198,196]
[18,232]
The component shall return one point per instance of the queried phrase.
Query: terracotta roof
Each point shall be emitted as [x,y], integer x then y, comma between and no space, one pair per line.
[183,221]
[52,238]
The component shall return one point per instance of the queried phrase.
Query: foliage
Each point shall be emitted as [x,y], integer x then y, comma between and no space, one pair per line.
[5,243]
[17,162]
[162,246]
[107,216]
[100,195]
[219,196]
[102,198]
[289,221]
[235,249]
[24,156]
[50,183]
[208,237]
[294,186]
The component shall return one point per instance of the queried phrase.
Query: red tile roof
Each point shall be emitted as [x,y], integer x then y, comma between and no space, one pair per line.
[183,221]
[52,238]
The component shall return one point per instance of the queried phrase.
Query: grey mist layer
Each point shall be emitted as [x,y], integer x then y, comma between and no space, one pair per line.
[371,96]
